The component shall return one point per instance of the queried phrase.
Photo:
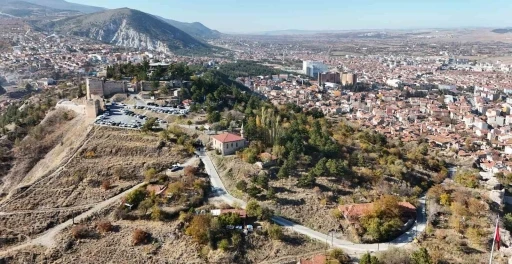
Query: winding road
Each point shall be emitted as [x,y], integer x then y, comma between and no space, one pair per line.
[349,247]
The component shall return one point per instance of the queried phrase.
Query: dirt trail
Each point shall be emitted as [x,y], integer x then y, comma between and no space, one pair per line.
[48,238]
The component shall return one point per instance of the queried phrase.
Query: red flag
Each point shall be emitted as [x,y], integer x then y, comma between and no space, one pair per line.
[497,237]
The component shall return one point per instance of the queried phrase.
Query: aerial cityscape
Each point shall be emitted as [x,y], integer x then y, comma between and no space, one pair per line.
[201,132]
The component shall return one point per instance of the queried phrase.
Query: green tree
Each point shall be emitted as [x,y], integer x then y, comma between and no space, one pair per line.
[149,174]
[224,244]
[275,232]
[214,117]
[135,197]
[241,185]
[150,123]
[507,221]
[340,256]
[254,209]
[421,256]
[254,191]
[145,205]
[367,258]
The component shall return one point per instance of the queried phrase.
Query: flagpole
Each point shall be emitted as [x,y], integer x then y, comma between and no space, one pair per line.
[494,238]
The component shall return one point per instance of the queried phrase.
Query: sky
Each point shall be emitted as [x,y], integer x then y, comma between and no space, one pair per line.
[246,16]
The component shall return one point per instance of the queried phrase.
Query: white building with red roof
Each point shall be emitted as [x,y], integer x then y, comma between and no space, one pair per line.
[228,143]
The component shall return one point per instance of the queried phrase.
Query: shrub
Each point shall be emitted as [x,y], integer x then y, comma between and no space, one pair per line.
[340,256]
[140,237]
[135,197]
[104,227]
[198,228]
[223,244]
[369,259]
[190,171]
[253,191]
[149,174]
[79,231]
[507,221]
[241,185]
[275,232]
[421,256]
[156,213]
[90,154]
[229,219]
[105,185]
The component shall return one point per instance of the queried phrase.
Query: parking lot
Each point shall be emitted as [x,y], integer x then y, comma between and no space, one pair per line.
[161,109]
[119,115]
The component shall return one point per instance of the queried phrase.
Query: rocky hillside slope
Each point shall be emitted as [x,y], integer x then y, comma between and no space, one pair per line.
[128,28]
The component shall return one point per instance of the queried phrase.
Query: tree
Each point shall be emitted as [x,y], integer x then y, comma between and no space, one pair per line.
[340,256]
[198,228]
[150,123]
[241,185]
[229,219]
[149,174]
[214,117]
[135,197]
[421,256]
[145,205]
[79,231]
[367,258]
[140,237]
[275,232]
[445,199]
[253,209]
[104,227]
[224,244]
[507,221]
[253,191]
[156,213]
[271,194]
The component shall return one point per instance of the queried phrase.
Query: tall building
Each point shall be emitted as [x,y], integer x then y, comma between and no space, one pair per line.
[329,77]
[348,78]
[313,68]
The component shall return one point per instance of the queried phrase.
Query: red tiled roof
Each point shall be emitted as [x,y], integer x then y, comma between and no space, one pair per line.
[227,137]
[318,259]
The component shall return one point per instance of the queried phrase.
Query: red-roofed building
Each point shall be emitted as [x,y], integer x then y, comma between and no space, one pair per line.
[228,143]
[318,259]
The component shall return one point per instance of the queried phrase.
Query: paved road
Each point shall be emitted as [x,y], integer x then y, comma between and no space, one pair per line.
[349,247]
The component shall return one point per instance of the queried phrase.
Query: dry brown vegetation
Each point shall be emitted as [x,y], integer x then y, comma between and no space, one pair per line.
[120,159]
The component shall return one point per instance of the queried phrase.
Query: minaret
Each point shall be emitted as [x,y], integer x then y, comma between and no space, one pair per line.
[242,131]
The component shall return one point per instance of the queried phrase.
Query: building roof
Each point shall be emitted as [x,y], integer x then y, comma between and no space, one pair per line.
[318,259]
[227,137]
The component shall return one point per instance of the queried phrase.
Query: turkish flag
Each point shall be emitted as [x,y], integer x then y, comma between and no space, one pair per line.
[497,237]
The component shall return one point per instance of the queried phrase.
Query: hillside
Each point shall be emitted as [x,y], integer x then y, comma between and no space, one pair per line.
[194,29]
[25,9]
[64,5]
[128,28]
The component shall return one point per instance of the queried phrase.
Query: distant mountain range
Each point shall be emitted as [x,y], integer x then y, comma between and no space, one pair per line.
[64,5]
[24,9]
[31,8]
[502,30]
[195,29]
[129,28]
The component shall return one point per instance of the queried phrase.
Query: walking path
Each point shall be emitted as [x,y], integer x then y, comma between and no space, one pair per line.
[349,247]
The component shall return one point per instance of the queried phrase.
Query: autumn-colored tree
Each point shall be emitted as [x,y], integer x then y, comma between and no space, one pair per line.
[140,237]
[445,199]
[198,228]
[79,231]
[105,185]
[190,171]
[104,227]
